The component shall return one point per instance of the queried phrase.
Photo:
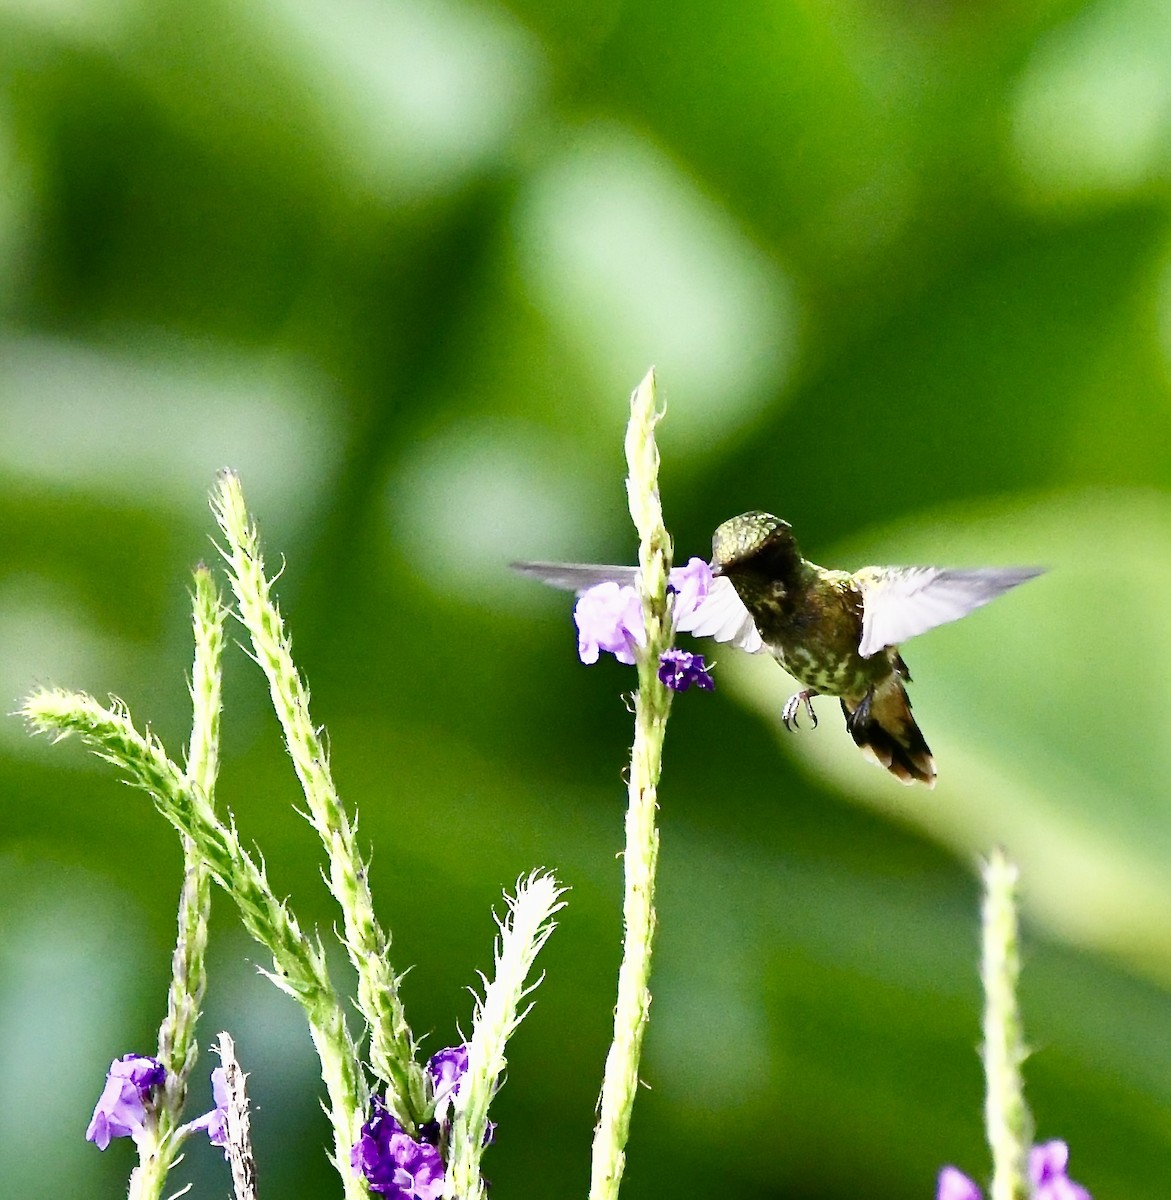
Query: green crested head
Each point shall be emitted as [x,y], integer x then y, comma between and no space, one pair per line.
[752,539]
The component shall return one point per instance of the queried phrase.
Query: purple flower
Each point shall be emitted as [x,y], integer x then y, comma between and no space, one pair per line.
[690,585]
[609,617]
[955,1185]
[1047,1165]
[394,1164]
[679,669]
[121,1108]
[447,1069]
[215,1123]
[1047,1175]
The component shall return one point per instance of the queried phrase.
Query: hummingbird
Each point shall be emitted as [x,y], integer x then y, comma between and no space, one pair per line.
[837,633]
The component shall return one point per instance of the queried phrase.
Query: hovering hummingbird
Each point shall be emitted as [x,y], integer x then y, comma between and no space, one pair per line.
[836,632]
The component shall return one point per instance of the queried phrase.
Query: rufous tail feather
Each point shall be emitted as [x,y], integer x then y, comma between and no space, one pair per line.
[884,730]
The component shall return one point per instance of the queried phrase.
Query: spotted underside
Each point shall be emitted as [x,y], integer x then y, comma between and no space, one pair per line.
[812,624]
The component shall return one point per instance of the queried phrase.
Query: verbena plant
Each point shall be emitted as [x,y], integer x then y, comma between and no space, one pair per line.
[402,1127]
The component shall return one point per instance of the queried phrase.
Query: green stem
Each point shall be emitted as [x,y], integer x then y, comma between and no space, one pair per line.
[392,1047]
[652,707]
[1009,1123]
[178,1050]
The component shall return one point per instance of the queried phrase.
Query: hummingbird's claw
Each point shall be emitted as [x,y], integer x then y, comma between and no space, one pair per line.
[793,707]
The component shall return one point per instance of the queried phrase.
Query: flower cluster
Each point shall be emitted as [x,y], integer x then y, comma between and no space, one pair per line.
[679,669]
[609,617]
[126,1102]
[397,1165]
[1047,1164]
[122,1108]
[392,1162]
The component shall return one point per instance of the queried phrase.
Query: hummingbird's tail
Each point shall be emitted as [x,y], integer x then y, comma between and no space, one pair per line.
[884,730]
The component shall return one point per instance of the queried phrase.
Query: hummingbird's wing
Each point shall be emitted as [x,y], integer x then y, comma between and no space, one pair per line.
[575,577]
[901,602]
[722,616]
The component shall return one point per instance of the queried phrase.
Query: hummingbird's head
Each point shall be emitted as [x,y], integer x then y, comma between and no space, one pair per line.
[754,541]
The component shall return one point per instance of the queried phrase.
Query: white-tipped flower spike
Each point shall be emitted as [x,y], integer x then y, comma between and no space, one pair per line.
[522,934]
[238,1139]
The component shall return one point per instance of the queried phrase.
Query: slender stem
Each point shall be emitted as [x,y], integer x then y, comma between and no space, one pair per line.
[177,1045]
[392,1047]
[1009,1123]
[178,1050]
[298,962]
[652,707]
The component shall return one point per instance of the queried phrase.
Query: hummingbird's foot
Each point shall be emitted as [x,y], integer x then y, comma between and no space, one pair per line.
[793,707]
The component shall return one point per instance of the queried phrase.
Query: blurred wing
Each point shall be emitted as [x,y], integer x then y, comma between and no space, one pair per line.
[901,602]
[575,577]
[721,615]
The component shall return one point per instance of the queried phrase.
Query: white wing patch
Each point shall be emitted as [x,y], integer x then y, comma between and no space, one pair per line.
[901,602]
[722,616]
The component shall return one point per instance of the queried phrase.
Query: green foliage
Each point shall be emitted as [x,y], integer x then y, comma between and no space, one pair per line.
[903,271]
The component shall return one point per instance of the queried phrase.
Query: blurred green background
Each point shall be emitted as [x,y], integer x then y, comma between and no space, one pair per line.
[904,268]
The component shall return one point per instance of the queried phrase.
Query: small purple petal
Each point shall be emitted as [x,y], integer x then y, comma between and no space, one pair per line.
[609,617]
[215,1122]
[1061,1189]
[690,585]
[121,1108]
[217,1126]
[119,1113]
[418,1174]
[447,1069]
[955,1185]
[680,669]
[141,1069]
[1047,1164]
[1047,1175]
